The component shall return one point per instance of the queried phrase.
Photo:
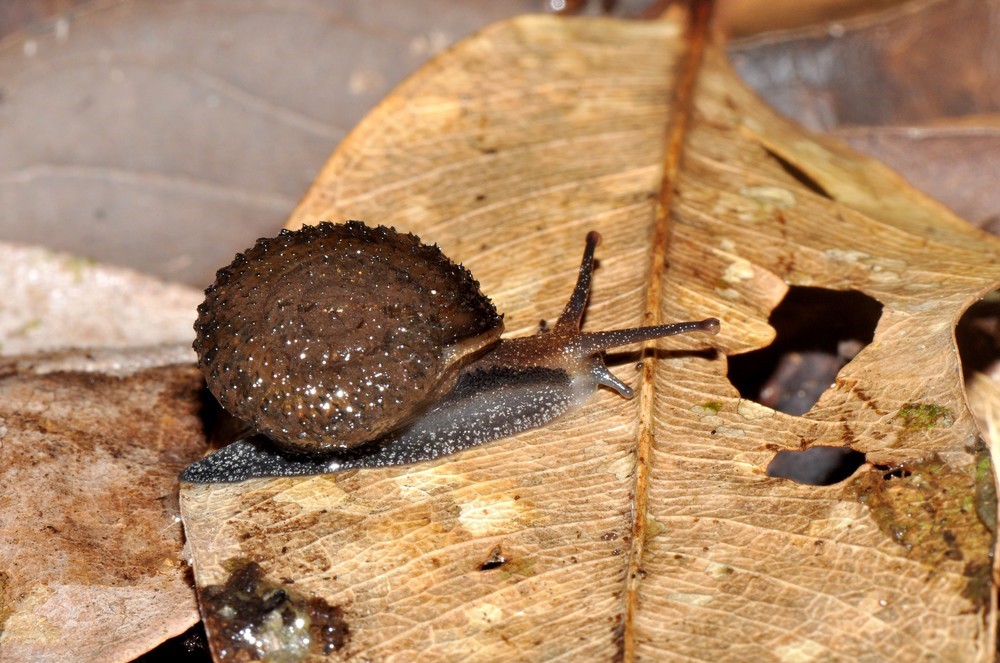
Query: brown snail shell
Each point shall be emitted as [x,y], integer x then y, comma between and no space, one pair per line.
[332,335]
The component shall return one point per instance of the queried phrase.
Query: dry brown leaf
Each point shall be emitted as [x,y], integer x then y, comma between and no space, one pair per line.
[161,134]
[52,300]
[644,528]
[956,162]
[91,442]
[913,86]
[741,18]
[917,60]
[984,400]
[91,563]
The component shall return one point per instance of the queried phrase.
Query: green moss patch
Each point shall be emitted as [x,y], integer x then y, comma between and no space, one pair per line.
[930,508]
[924,416]
[712,406]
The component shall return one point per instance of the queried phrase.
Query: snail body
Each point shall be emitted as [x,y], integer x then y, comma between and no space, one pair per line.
[346,346]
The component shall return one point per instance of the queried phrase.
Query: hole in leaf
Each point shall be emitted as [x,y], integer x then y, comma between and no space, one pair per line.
[818,332]
[188,647]
[816,466]
[978,337]
[893,472]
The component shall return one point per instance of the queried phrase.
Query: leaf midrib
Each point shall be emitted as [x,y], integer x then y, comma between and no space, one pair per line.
[677,125]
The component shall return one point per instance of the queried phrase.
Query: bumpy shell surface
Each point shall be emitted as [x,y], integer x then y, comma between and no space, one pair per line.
[333,335]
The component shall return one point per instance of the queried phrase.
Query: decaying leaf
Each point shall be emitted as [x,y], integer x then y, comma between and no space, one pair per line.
[955,162]
[897,64]
[91,560]
[91,441]
[53,300]
[161,135]
[911,84]
[648,527]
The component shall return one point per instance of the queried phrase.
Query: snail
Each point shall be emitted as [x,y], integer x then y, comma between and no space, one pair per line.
[346,346]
